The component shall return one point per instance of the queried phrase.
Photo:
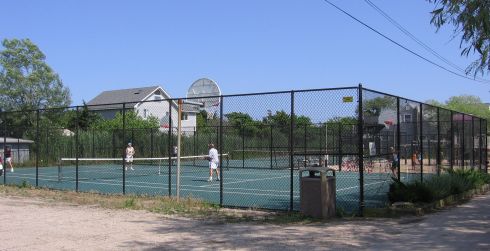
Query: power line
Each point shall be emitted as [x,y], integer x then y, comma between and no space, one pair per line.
[403,47]
[425,46]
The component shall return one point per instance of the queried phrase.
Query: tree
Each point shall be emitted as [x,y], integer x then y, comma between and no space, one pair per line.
[471,18]
[26,81]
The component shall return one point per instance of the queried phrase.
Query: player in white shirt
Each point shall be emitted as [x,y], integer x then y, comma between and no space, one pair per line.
[129,156]
[213,159]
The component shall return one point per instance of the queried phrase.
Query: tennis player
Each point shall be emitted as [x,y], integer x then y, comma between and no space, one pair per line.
[129,156]
[8,158]
[213,162]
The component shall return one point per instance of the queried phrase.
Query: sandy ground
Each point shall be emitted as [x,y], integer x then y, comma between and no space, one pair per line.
[32,224]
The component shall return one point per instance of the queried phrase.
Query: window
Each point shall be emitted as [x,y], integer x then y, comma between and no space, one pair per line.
[407,118]
[185,116]
[145,113]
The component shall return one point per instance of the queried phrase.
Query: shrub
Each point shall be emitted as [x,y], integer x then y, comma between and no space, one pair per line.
[437,187]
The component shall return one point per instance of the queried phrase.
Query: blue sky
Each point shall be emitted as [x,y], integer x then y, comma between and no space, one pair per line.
[245,46]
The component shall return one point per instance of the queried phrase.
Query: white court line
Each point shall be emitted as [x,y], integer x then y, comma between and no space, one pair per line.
[243,181]
[347,188]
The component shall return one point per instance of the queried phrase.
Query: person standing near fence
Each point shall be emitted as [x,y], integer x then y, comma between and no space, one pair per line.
[8,158]
[213,159]
[394,161]
[129,156]
[174,154]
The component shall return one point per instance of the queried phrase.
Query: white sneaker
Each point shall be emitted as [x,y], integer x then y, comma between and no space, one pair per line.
[11,170]
[217,179]
[210,179]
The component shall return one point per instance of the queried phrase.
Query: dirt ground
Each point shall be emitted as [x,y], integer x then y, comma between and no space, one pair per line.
[35,224]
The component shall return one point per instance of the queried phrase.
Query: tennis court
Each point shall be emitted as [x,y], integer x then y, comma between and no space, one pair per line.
[242,187]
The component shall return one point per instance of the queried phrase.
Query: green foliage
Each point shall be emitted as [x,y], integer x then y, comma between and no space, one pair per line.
[471,21]
[132,121]
[26,81]
[84,120]
[467,104]
[437,187]
[374,106]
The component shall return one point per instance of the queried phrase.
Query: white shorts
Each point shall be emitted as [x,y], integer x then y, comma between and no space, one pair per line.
[213,165]
[9,159]
[129,158]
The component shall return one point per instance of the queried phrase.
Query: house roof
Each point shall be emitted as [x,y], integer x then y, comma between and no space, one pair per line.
[123,96]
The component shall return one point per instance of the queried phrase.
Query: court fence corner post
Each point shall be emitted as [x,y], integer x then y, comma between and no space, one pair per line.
[398,139]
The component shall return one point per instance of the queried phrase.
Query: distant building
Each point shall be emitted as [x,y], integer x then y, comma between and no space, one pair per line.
[20,148]
[147,102]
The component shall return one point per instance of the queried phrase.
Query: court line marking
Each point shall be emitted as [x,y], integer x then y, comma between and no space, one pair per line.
[248,180]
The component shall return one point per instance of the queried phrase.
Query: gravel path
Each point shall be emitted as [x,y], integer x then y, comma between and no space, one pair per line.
[31,224]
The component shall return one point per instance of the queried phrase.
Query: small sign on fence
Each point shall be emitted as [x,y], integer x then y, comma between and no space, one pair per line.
[347,99]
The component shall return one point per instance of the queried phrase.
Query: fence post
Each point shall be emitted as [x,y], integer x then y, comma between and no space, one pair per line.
[93,142]
[462,144]
[340,146]
[421,140]
[451,161]
[76,149]
[480,144]
[221,152]
[37,149]
[472,142]
[360,148]
[5,146]
[124,142]
[243,144]
[291,151]
[398,137]
[270,148]
[47,146]
[438,148]
[169,148]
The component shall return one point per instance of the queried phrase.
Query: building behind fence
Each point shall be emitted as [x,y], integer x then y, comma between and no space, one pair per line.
[264,138]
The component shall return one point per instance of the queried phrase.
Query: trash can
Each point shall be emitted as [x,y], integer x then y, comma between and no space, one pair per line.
[317,192]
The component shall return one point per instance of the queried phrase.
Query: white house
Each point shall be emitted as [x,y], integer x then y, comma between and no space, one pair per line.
[147,102]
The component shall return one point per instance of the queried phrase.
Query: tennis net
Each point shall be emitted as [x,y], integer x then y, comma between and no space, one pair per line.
[115,168]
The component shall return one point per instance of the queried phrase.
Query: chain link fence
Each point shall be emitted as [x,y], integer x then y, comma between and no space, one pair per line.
[368,137]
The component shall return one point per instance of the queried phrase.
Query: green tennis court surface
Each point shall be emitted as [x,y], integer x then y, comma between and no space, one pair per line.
[242,187]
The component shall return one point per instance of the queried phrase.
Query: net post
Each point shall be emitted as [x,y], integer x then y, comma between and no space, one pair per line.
[360,148]
[59,171]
